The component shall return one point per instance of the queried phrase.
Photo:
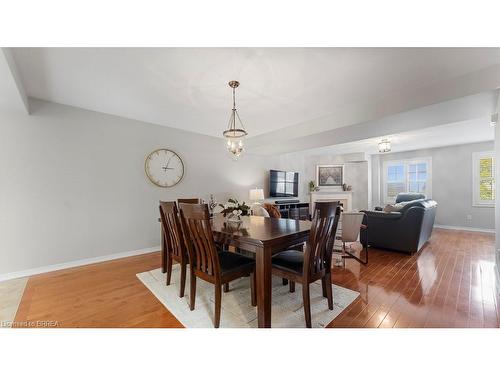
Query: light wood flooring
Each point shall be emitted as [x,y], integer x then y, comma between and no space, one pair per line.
[452,282]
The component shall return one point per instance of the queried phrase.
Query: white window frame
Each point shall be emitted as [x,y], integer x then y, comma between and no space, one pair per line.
[476,200]
[406,162]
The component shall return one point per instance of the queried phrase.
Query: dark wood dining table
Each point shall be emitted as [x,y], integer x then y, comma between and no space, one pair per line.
[264,237]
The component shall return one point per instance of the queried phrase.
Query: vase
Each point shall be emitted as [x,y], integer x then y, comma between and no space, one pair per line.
[232,218]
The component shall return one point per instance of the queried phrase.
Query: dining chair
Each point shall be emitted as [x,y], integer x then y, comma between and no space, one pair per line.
[321,209]
[314,263]
[352,224]
[174,240]
[272,210]
[206,262]
[189,200]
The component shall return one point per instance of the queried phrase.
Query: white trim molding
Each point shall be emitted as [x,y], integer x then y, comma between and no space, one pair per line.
[469,229]
[76,263]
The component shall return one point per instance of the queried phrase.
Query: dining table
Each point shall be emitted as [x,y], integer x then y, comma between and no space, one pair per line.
[264,237]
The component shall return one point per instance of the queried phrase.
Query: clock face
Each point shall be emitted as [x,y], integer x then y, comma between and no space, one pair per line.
[164,168]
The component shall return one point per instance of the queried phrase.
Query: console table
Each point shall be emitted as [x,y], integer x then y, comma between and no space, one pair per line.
[296,211]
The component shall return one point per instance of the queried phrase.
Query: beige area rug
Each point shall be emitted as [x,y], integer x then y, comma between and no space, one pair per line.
[11,292]
[237,312]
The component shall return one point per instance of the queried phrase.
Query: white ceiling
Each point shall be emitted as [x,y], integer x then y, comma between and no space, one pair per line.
[187,87]
[472,131]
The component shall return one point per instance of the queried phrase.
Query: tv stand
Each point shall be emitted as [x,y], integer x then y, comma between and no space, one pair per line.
[293,210]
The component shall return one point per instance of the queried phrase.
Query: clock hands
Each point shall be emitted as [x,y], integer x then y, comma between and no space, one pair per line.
[168,162]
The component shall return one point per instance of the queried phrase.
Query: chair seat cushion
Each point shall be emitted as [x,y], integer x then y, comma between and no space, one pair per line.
[290,260]
[230,261]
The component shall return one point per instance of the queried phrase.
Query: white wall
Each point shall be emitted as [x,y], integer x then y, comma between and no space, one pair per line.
[355,174]
[451,183]
[72,183]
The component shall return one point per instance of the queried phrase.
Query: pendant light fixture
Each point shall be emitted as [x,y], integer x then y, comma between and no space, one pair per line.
[235,132]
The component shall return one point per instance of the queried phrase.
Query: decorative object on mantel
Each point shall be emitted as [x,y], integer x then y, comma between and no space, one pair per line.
[234,210]
[164,168]
[384,146]
[312,186]
[234,133]
[346,187]
[329,175]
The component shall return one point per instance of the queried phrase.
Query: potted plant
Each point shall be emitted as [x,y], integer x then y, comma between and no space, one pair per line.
[312,187]
[234,210]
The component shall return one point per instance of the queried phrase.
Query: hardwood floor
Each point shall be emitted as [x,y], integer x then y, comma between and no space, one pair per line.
[452,282]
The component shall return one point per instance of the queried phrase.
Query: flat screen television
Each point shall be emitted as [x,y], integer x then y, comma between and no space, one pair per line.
[283,184]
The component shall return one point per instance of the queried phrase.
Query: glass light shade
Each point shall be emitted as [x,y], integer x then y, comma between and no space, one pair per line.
[256,195]
[494,119]
[235,147]
[384,146]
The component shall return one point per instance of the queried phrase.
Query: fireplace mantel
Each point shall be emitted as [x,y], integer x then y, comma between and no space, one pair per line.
[345,198]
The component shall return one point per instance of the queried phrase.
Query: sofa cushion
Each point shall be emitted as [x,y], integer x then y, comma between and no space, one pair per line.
[394,207]
[407,197]
[416,203]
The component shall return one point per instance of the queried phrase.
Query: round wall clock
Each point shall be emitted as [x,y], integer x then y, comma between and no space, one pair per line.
[164,168]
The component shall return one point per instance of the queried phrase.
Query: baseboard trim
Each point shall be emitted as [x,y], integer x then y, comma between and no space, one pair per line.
[76,263]
[470,229]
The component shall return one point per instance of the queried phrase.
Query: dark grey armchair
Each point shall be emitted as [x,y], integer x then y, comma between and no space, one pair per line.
[406,230]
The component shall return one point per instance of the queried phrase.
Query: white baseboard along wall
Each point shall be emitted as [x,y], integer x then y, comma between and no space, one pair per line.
[76,263]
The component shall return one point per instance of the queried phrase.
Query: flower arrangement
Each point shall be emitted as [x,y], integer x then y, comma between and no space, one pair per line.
[234,209]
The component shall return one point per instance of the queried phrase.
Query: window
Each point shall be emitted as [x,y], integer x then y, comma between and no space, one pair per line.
[413,175]
[483,179]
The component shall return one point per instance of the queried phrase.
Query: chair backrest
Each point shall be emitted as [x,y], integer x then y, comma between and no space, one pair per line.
[189,200]
[272,210]
[170,221]
[318,253]
[258,210]
[351,225]
[325,208]
[199,238]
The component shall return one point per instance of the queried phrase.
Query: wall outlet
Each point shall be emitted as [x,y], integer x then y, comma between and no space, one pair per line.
[468,218]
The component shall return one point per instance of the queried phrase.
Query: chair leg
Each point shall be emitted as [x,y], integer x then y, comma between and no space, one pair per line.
[226,287]
[307,304]
[329,292]
[183,279]
[169,268]
[285,281]
[253,288]
[192,291]
[323,286]
[292,286]
[218,297]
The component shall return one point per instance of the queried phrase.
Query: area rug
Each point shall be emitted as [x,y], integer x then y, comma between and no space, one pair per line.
[11,293]
[237,312]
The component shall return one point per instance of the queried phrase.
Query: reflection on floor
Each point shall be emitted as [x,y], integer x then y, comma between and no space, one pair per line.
[452,282]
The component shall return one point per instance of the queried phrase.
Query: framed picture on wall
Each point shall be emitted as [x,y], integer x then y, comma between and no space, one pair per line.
[329,175]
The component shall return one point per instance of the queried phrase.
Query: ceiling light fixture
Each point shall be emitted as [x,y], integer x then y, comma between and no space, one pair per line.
[235,132]
[494,119]
[384,145]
